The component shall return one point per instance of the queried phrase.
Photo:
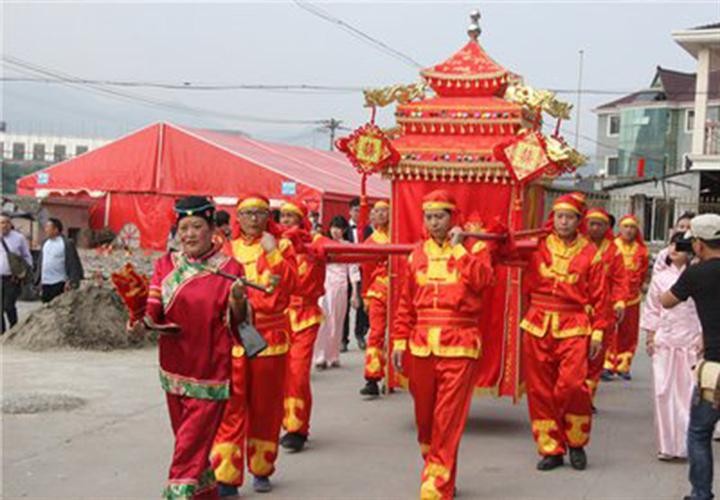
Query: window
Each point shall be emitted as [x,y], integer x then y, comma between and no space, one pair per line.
[612,166]
[689,120]
[18,152]
[39,152]
[80,150]
[59,152]
[613,126]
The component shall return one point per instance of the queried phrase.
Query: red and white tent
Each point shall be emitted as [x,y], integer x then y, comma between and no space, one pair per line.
[135,180]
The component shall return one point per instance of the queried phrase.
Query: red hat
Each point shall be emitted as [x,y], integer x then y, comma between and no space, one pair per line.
[598,213]
[253,200]
[439,200]
[570,202]
[629,220]
[295,207]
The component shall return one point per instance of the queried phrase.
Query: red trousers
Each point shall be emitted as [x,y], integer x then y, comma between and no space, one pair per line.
[558,396]
[252,419]
[375,350]
[442,389]
[596,365]
[298,394]
[194,422]
[623,344]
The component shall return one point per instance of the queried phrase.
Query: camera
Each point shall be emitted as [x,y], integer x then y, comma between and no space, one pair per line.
[684,245]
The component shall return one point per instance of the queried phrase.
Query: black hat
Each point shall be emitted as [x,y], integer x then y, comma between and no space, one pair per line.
[198,206]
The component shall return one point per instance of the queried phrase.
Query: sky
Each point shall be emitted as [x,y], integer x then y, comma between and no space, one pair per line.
[280,43]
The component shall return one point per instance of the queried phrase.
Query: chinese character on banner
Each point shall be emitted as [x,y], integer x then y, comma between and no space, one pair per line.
[525,157]
[368,149]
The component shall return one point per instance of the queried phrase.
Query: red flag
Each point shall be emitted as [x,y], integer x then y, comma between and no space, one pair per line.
[641,167]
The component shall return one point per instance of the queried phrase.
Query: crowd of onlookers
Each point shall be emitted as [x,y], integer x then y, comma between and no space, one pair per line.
[57,269]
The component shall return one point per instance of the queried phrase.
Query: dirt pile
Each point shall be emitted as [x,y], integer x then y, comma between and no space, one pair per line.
[92,317]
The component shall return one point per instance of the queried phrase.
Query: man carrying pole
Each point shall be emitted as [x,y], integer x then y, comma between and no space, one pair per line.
[375,298]
[254,413]
[566,286]
[438,321]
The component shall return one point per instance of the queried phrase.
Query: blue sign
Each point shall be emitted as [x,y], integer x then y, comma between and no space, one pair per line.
[43,178]
[289,188]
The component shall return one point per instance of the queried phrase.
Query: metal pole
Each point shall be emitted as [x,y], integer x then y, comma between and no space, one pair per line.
[579,98]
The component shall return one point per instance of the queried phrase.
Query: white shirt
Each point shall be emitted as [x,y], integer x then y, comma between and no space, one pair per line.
[18,245]
[53,262]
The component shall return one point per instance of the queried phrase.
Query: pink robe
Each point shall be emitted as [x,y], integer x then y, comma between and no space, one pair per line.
[677,343]
[334,305]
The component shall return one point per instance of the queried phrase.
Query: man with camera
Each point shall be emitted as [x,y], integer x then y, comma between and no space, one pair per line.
[701,282]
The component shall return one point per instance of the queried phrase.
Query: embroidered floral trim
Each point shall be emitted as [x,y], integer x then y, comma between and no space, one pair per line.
[192,388]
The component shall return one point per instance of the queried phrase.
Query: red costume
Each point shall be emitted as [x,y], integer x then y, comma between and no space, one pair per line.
[255,410]
[305,318]
[567,289]
[617,292]
[194,362]
[375,296]
[438,320]
[621,347]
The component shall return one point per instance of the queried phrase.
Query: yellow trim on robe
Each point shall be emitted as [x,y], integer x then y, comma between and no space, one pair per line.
[552,320]
[298,326]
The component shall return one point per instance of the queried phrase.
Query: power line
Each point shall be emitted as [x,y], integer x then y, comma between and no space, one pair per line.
[359,34]
[73,81]
[299,88]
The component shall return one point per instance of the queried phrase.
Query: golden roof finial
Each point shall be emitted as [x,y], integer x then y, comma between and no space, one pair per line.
[474,28]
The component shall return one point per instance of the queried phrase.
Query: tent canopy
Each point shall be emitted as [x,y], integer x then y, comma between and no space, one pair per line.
[136,178]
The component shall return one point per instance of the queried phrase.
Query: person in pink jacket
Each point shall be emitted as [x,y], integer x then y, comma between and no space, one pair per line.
[674,341]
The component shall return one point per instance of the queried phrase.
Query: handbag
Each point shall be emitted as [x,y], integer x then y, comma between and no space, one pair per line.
[708,379]
[19,269]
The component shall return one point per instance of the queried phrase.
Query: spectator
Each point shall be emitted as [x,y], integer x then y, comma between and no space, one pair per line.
[701,282]
[338,278]
[682,225]
[361,319]
[12,243]
[222,223]
[59,266]
[674,341]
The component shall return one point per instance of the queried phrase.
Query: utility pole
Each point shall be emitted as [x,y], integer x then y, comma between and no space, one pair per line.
[579,99]
[332,125]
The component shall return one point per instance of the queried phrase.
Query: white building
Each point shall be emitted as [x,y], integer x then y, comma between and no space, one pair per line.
[44,148]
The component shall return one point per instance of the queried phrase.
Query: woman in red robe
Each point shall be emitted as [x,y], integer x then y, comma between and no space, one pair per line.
[194,310]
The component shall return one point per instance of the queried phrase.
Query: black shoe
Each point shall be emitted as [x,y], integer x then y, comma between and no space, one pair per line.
[607,376]
[227,490]
[578,459]
[594,410]
[344,347]
[362,345]
[626,376]
[550,462]
[371,389]
[293,441]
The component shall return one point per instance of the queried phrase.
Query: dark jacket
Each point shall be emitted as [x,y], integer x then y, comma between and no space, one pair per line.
[349,234]
[73,265]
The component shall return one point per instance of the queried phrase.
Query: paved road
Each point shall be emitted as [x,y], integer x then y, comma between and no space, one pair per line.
[119,444]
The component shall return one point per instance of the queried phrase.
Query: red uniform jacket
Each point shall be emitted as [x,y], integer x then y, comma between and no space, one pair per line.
[617,280]
[636,260]
[375,276]
[441,300]
[304,310]
[567,289]
[269,309]
[194,362]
